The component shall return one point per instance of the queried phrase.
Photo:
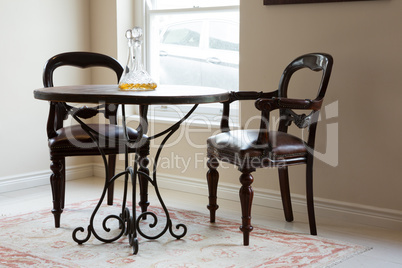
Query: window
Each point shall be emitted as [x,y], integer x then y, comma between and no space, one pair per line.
[221,36]
[193,42]
[187,34]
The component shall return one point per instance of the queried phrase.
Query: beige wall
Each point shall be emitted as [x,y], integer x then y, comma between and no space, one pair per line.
[365,40]
[109,20]
[32,32]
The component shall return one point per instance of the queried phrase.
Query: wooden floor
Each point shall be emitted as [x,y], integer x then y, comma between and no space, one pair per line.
[386,244]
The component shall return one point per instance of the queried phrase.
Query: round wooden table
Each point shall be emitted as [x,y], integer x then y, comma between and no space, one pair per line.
[110,94]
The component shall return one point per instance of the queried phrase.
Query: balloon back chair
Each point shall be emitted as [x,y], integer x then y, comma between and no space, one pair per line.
[259,148]
[65,141]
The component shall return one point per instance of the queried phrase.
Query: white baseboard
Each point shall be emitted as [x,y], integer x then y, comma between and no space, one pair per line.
[28,180]
[325,209]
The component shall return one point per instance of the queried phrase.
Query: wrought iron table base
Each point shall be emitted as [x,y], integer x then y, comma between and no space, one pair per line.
[129,222]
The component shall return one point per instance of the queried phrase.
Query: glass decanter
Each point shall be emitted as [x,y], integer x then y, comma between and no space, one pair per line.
[135,77]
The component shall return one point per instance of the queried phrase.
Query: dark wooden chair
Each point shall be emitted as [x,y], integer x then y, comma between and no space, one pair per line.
[259,148]
[65,141]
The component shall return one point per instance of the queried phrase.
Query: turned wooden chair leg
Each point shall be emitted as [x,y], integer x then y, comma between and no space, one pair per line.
[212,179]
[143,183]
[246,199]
[63,182]
[112,169]
[57,184]
[285,193]
[310,196]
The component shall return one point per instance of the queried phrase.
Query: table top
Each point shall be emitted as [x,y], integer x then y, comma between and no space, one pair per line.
[111,94]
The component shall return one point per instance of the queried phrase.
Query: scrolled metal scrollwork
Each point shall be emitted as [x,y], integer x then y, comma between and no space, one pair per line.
[91,230]
[129,223]
[81,229]
[130,229]
[178,226]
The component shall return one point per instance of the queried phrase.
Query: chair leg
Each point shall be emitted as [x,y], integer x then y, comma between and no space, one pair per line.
[112,169]
[212,179]
[143,183]
[310,196]
[285,193]
[63,182]
[246,199]
[57,184]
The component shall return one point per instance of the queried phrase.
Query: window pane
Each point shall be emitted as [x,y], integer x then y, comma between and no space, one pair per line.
[195,48]
[224,35]
[194,42]
[183,34]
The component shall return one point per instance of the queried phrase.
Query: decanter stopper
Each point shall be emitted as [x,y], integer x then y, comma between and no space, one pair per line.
[135,77]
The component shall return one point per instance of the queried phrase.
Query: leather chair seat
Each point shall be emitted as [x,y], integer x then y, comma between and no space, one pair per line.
[240,145]
[75,141]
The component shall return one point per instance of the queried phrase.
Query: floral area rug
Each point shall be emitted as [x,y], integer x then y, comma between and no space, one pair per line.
[30,240]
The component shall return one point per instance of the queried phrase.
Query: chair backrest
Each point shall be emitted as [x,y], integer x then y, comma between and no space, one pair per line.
[315,62]
[58,111]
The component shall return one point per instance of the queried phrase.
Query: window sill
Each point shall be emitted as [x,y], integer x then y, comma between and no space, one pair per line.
[171,121]
[200,118]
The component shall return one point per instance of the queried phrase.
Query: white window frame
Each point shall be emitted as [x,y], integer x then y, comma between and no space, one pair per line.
[205,113]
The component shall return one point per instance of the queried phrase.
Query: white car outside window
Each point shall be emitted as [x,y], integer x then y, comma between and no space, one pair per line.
[193,46]
[200,52]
